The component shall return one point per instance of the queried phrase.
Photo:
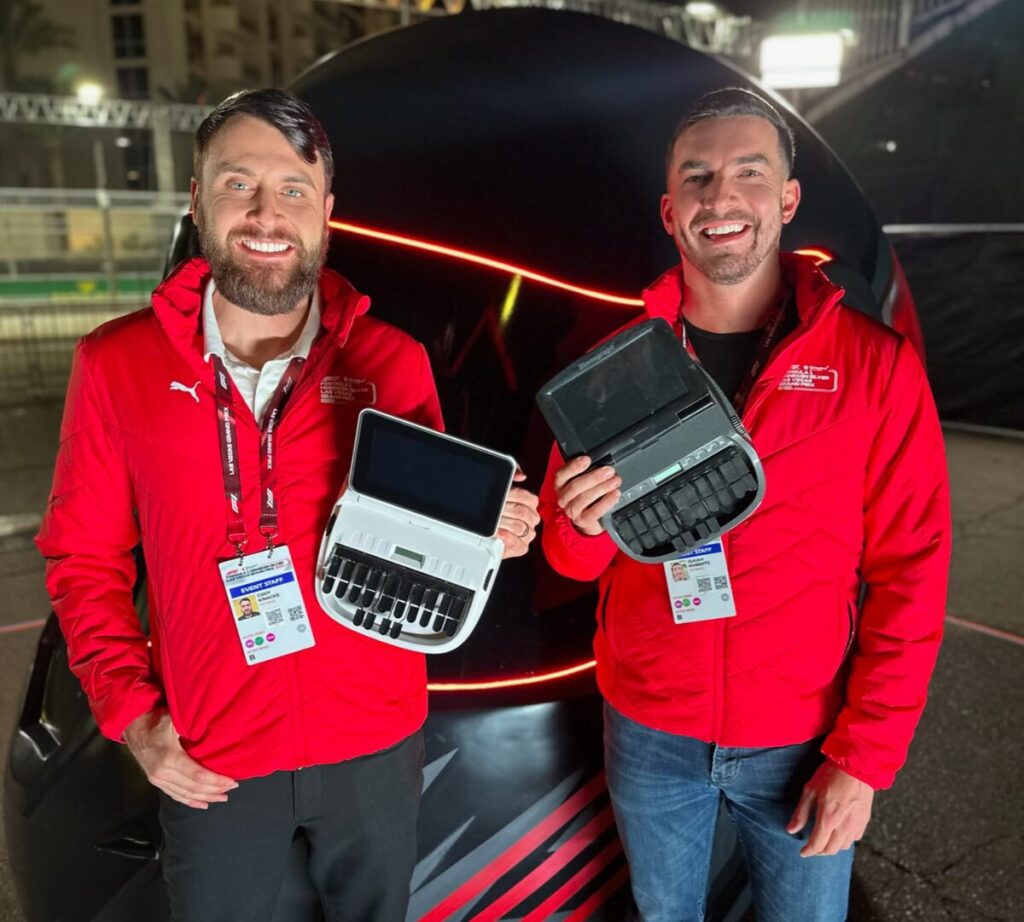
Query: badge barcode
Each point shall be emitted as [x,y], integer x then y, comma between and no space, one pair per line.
[703,584]
[295,613]
[721,582]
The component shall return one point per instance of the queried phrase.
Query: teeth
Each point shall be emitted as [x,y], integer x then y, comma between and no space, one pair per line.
[261,247]
[724,229]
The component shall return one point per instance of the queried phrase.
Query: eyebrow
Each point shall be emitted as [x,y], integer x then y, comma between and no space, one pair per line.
[225,166]
[302,180]
[740,161]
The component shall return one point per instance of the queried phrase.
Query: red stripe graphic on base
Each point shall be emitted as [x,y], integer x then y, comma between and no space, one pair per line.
[576,883]
[511,856]
[551,865]
[599,896]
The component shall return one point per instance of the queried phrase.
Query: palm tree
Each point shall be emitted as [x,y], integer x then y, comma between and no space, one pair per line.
[26,29]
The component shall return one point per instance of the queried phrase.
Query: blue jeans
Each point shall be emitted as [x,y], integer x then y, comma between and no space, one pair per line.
[666,790]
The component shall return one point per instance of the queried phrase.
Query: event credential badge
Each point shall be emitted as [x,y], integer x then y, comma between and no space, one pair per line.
[266,605]
[699,588]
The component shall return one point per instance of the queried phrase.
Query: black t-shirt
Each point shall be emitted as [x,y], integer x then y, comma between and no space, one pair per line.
[728,356]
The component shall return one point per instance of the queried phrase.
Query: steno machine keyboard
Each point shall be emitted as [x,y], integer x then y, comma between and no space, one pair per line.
[641,404]
[409,554]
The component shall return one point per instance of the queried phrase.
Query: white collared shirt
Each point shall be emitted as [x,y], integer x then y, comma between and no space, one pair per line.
[256,385]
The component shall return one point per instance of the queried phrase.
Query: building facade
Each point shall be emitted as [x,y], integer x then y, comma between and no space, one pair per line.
[190,50]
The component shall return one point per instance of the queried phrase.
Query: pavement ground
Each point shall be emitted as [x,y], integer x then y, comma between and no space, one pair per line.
[946,844]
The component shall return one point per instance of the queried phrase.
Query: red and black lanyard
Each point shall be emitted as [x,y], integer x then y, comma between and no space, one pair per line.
[769,340]
[228,431]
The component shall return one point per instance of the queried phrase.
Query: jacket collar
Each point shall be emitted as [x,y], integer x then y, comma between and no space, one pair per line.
[178,300]
[814,292]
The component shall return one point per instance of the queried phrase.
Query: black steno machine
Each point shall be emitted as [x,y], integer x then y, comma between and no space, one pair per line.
[640,403]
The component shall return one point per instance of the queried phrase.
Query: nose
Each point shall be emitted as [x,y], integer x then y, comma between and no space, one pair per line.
[717,191]
[263,206]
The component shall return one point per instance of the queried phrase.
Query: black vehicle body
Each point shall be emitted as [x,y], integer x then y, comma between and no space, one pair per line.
[529,144]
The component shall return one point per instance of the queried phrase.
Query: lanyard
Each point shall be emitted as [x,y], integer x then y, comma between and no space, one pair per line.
[227,428]
[769,340]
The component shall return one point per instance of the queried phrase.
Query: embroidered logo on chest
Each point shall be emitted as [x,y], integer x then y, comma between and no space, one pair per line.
[191,391]
[336,389]
[821,378]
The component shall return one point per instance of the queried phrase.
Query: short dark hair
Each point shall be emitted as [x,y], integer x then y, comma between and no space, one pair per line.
[279,109]
[735,101]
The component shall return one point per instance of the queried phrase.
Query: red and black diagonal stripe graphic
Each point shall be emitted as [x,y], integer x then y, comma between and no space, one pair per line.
[538,876]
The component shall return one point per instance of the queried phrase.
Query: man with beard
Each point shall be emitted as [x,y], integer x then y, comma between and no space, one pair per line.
[249,737]
[800,701]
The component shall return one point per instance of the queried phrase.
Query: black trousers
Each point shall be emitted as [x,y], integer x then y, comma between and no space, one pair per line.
[228,862]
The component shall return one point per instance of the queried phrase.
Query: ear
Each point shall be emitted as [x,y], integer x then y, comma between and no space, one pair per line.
[790,199]
[329,206]
[193,192]
[666,215]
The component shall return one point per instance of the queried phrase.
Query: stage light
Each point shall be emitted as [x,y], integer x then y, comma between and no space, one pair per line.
[796,61]
[89,93]
[702,10]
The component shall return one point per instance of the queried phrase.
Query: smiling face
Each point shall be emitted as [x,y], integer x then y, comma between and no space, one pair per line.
[261,211]
[728,197]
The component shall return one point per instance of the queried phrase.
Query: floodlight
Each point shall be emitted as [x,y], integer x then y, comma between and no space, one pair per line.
[89,93]
[702,10]
[794,61]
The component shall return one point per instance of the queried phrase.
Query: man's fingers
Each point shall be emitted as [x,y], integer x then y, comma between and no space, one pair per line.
[573,469]
[581,502]
[184,795]
[189,779]
[584,483]
[836,843]
[514,545]
[518,522]
[523,497]
[591,517]
[518,511]
[168,779]
[802,813]
[820,835]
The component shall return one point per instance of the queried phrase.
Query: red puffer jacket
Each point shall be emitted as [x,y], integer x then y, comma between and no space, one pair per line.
[140,460]
[856,491]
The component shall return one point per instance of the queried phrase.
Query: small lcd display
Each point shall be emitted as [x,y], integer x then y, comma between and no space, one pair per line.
[430,474]
[605,399]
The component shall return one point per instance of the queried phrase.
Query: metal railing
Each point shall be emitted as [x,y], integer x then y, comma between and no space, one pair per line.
[886,34]
[70,260]
[879,28]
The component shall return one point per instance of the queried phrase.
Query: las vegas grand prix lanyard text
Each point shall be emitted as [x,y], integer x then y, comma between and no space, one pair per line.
[227,429]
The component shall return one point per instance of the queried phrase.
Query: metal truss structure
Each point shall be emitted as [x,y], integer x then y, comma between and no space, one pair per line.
[888,34]
[715,32]
[39,109]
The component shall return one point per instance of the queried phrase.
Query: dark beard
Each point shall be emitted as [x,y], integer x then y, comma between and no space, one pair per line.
[254,288]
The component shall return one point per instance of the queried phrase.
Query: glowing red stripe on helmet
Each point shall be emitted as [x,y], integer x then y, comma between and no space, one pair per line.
[480,260]
[489,685]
